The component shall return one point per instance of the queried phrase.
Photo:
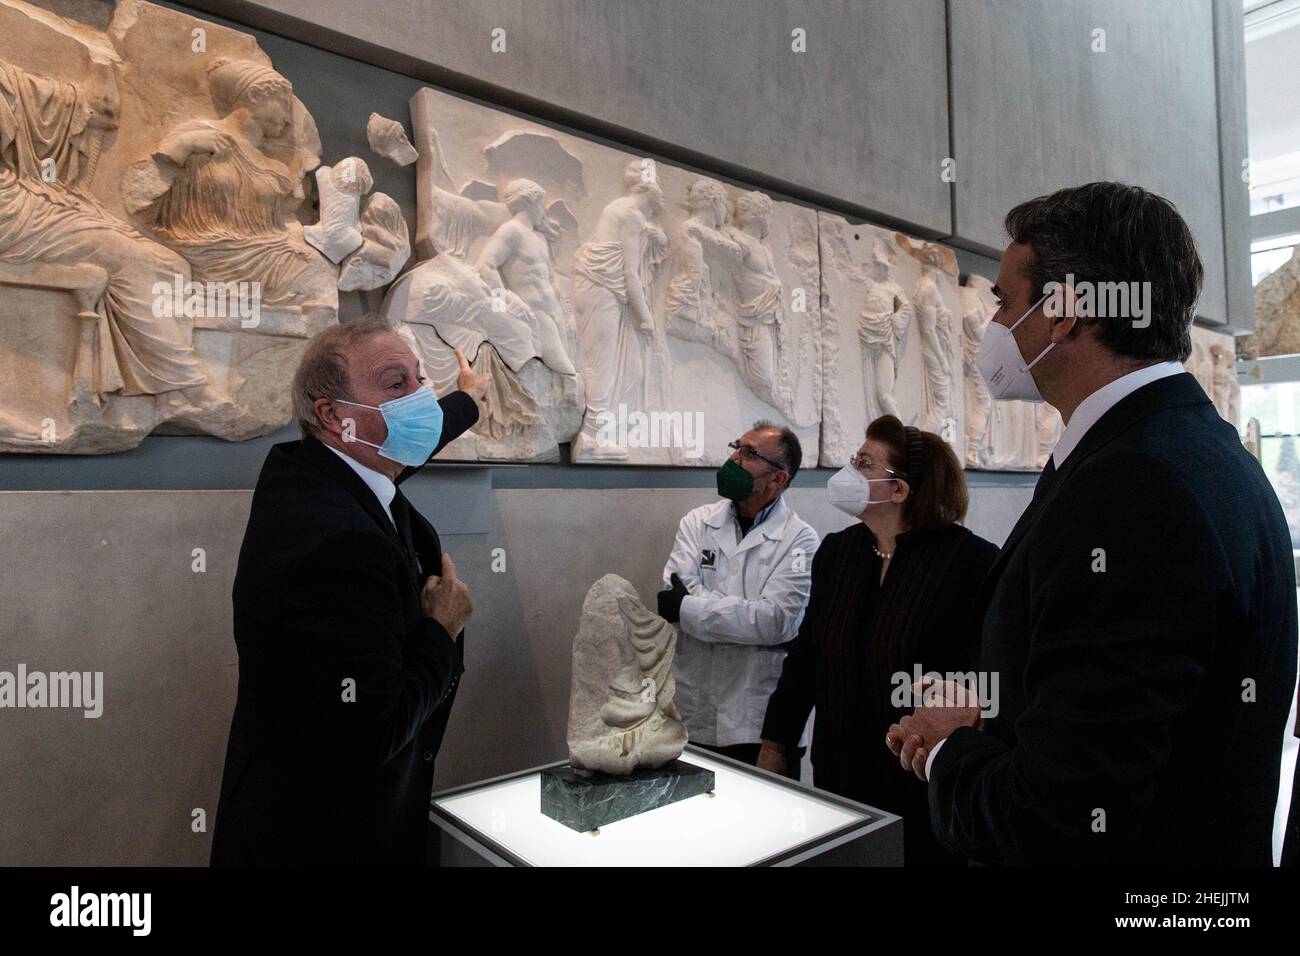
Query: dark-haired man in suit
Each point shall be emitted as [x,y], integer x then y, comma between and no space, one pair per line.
[1142,613]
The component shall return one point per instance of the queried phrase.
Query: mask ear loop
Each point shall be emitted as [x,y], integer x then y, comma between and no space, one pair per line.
[1050,345]
[1014,325]
[344,401]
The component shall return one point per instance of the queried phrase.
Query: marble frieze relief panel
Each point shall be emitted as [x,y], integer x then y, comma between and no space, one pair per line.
[893,336]
[642,312]
[154,275]
[162,266]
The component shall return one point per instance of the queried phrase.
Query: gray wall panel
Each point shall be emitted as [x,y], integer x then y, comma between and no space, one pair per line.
[1034,109]
[860,119]
[103,581]
[1230,74]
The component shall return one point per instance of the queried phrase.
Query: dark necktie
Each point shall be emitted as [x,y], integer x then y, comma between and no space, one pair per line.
[401,509]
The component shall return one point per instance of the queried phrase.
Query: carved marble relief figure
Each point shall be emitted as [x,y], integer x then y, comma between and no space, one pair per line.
[50,136]
[1213,361]
[1277,312]
[518,257]
[340,187]
[1201,364]
[888,345]
[154,274]
[385,246]
[975,317]
[613,274]
[580,234]
[934,323]
[212,191]
[759,303]
[882,332]
[1227,392]
[622,715]
[692,310]
[470,304]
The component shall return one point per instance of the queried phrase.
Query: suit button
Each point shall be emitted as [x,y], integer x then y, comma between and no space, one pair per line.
[428,756]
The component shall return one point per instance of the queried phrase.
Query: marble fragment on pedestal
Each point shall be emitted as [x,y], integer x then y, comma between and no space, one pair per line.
[621,710]
[388,139]
[160,193]
[585,800]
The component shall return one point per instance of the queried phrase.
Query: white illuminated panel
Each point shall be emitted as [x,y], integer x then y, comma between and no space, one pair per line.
[749,819]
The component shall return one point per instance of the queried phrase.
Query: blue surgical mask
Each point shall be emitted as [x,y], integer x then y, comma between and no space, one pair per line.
[414,426]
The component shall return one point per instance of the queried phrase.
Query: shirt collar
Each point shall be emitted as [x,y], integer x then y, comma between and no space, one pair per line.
[380,484]
[759,518]
[1092,408]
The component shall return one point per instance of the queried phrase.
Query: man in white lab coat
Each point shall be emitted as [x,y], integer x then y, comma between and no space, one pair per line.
[737,584]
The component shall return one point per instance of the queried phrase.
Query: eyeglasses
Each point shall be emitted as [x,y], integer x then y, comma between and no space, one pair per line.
[861,462]
[750,453]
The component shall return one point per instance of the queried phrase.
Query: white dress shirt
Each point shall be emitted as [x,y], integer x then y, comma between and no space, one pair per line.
[1085,416]
[748,595]
[1103,400]
[380,484]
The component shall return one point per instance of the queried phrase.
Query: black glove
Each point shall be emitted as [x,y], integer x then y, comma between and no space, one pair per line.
[670,601]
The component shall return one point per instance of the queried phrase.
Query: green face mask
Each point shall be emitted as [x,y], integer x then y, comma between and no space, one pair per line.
[734,482]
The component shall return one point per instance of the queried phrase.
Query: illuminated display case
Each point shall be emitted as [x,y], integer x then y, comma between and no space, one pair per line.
[752,818]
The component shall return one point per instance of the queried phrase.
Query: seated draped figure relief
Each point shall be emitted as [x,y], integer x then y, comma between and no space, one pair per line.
[50,137]
[153,269]
[212,191]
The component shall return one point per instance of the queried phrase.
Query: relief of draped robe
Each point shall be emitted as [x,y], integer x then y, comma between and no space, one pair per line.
[934,320]
[211,193]
[882,333]
[760,334]
[641,707]
[613,341]
[51,219]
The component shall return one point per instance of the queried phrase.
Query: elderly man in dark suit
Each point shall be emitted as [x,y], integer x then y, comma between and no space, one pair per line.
[1142,613]
[348,617]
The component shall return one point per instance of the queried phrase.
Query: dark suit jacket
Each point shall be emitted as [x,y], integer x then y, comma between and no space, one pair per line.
[1121,690]
[324,594]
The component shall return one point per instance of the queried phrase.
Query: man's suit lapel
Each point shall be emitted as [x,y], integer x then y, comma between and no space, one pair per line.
[427,544]
[1170,392]
[328,462]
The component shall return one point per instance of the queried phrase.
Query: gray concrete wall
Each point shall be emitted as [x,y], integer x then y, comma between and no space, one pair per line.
[860,118]
[104,581]
[1036,108]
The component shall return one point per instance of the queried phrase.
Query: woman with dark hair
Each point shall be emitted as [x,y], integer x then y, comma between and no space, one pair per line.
[889,595]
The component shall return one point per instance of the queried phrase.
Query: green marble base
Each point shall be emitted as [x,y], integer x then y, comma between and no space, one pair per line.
[585,799]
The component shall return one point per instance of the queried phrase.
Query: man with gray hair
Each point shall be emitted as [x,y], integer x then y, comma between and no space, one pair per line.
[348,617]
[737,583]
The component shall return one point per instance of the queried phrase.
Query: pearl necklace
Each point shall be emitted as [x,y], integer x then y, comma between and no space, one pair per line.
[881,554]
